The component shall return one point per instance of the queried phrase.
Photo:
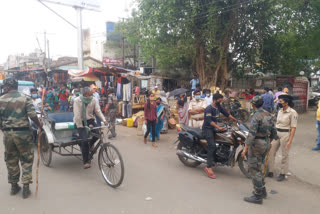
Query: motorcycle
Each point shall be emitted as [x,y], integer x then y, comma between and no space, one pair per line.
[237,112]
[192,146]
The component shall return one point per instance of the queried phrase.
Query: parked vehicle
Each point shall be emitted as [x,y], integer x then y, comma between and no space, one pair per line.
[23,87]
[192,146]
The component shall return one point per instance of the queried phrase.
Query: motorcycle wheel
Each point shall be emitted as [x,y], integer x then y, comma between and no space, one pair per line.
[243,165]
[187,161]
[243,115]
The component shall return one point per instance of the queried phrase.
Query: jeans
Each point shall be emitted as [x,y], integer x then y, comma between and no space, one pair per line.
[85,144]
[63,105]
[318,131]
[210,137]
[151,126]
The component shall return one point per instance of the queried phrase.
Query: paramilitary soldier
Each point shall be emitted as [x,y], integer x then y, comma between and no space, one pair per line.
[262,130]
[111,111]
[15,108]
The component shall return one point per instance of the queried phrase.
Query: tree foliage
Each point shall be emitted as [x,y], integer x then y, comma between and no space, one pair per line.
[217,37]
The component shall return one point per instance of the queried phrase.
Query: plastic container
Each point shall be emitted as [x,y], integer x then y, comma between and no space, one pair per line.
[130,122]
[64,126]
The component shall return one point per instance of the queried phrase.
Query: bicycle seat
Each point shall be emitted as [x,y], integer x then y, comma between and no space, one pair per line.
[194,131]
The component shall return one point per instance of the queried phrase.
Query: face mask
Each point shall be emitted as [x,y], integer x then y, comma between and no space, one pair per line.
[218,103]
[34,96]
[158,104]
[208,95]
[77,94]
[280,105]
[197,97]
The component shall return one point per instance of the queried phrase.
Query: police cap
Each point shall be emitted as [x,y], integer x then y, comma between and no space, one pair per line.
[257,101]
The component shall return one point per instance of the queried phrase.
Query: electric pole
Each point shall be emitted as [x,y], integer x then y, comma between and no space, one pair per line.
[80,46]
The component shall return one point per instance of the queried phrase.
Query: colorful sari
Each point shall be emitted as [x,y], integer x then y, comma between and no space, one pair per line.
[50,101]
[183,114]
[159,125]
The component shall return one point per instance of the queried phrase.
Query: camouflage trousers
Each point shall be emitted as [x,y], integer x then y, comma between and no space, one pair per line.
[112,120]
[18,146]
[256,156]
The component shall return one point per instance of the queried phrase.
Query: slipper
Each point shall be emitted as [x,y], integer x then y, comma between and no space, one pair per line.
[154,145]
[210,175]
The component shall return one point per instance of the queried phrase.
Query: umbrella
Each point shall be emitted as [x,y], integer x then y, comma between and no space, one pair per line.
[177,92]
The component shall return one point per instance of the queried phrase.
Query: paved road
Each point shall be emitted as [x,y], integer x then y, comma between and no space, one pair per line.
[66,188]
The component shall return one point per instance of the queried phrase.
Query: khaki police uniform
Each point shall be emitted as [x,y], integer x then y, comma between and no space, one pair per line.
[286,120]
[196,120]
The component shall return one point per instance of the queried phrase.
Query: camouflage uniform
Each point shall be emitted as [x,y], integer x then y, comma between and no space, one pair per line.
[261,129]
[111,115]
[15,108]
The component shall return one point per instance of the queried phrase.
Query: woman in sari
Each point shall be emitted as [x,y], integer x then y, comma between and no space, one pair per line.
[160,116]
[50,100]
[182,107]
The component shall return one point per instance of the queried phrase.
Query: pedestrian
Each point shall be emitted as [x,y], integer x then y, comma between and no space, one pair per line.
[271,92]
[164,102]
[267,100]
[210,124]
[150,117]
[84,108]
[183,106]
[63,99]
[276,98]
[111,111]
[286,128]
[317,148]
[193,83]
[15,109]
[76,93]
[257,146]
[196,109]
[50,100]
[208,97]
[160,116]
[156,92]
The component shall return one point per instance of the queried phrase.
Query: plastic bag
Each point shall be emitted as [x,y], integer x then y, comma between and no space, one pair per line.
[144,129]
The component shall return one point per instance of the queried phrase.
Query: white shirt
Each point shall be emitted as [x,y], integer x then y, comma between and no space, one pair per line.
[209,100]
[96,96]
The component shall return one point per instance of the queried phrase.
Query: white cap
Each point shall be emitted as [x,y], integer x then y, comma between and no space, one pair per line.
[156,87]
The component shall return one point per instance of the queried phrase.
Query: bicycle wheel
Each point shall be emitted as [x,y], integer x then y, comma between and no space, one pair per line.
[45,150]
[111,165]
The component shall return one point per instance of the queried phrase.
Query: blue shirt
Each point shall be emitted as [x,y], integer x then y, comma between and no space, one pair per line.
[194,83]
[211,114]
[267,101]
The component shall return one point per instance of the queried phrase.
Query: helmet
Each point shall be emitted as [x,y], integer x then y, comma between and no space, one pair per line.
[10,82]
[257,101]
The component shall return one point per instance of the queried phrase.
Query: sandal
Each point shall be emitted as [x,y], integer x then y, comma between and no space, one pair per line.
[154,145]
[211,175]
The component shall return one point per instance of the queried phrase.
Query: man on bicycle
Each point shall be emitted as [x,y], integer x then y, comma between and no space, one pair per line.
[84,108]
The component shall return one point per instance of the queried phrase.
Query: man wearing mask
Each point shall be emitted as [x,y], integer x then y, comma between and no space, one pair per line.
[211,115]
[208,97]
[84,108]
[63,99]
[267,101]
[196,109]
[194,83]
[111,112]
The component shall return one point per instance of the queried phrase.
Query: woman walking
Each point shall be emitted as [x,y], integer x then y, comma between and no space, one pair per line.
[160,116]
[150,117]
[182,107]
[286,127]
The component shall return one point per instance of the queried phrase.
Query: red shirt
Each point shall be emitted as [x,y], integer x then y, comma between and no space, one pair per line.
[63,96]
[150,114]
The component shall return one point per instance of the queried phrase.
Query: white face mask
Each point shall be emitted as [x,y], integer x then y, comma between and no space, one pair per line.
[208,95]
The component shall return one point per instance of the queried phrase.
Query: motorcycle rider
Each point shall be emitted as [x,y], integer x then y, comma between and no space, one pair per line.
[257,144]
[211,115]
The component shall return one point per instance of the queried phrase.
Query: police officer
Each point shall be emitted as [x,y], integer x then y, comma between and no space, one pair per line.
[257,145]
[286,126]
[111,111]
[15,108]
[211,115]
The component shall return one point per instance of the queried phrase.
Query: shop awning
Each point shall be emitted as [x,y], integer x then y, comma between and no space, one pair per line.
[103,70]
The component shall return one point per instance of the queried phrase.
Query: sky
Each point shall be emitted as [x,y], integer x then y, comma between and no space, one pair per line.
[22,21]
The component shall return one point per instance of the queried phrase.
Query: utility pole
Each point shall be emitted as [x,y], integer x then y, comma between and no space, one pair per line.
[80,46]
[123,51]
[48,57]
[45,43]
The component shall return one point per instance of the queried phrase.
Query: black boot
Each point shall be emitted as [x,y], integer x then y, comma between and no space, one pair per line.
[256,198]
[281,177]
[26,191]
[264,193]
[15,188]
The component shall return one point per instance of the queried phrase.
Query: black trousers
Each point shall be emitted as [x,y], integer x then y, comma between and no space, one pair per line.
[85,144]
[151,126]
[210,137]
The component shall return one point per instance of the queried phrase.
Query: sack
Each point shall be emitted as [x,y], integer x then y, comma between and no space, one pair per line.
[144,129]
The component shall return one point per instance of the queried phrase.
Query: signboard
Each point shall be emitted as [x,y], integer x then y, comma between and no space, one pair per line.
[112,61]
[85,4]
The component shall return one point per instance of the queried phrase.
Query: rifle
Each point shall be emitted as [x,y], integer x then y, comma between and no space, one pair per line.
[39,133]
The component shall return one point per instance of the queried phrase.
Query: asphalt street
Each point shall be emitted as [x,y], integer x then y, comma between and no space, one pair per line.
[156,174]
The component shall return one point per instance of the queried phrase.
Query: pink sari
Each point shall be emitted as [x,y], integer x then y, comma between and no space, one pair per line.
[183,114]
